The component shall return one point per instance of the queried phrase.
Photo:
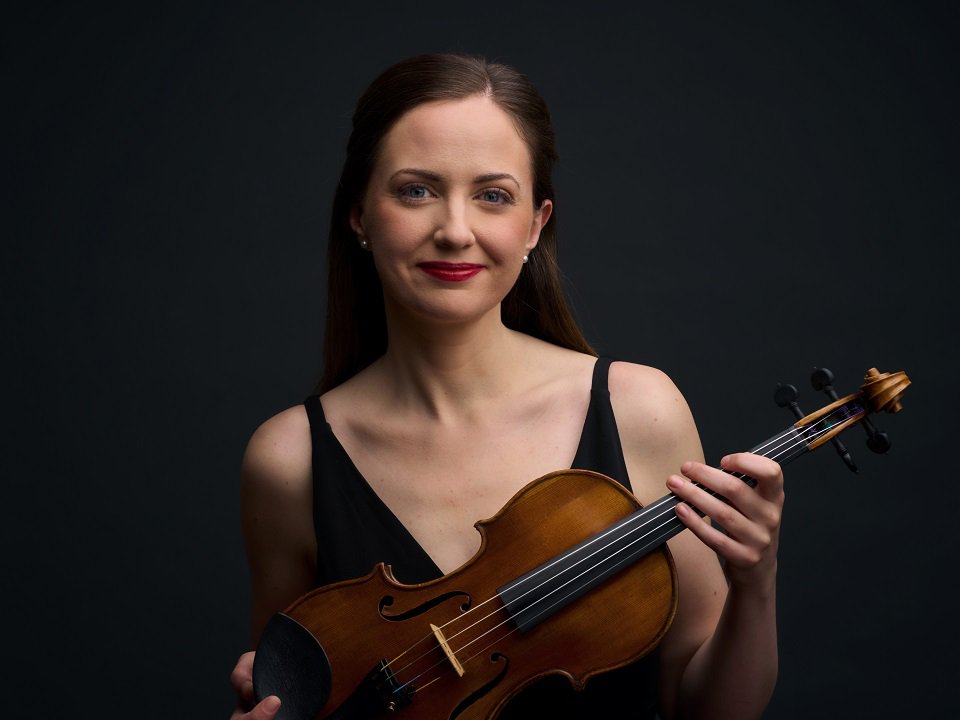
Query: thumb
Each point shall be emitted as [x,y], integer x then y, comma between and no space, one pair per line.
[266,710]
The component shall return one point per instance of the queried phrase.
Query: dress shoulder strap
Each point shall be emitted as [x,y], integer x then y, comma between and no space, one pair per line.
[600,449]
[601,369]
[314,414]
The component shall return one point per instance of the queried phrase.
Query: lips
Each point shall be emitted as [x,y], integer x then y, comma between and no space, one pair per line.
[450,272]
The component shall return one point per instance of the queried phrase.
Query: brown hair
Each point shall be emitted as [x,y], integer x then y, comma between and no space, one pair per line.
[356,332]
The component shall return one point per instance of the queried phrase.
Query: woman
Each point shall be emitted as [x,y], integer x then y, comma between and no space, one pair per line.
[455,374]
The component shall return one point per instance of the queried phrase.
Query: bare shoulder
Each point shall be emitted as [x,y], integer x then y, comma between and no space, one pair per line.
[657,428]
[634,377]
[279,450]
[276,496]
[647,399]
[275,476]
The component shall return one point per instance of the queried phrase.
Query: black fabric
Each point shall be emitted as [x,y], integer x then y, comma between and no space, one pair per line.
[600,448]
[355,530]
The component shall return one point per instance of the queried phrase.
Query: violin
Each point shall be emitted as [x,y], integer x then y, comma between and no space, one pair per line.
[573,576]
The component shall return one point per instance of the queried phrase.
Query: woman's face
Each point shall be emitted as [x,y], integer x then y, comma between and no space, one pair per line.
[448,213]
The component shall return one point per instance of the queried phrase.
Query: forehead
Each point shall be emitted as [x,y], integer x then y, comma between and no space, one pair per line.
[473,134]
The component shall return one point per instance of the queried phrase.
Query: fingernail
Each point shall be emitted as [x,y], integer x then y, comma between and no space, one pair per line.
[674,482]
[682,510]
[271,704]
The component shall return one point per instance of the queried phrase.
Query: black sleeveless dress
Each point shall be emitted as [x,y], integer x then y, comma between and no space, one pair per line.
[355,530]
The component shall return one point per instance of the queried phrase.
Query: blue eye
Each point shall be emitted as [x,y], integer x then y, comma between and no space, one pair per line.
[496,196]
[414,192]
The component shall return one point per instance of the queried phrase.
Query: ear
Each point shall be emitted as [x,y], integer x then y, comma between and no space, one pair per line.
[356,220]
[540,217]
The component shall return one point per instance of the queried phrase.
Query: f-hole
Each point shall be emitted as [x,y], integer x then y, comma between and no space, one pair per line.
[483,689]
[387,600]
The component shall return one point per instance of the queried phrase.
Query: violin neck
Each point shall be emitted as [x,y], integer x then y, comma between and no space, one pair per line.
[538,594]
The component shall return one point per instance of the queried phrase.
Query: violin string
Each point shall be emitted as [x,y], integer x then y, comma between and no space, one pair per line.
[646,518]
[616,526]
[801,440]
[673,520]
[793,437]
[639,552]
[442,663]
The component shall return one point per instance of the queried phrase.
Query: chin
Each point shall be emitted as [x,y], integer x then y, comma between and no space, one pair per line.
[452,312]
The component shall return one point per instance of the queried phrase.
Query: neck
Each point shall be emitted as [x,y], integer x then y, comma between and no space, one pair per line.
[450,368]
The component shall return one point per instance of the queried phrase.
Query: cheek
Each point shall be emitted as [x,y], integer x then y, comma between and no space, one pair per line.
[509,233]
[392,226]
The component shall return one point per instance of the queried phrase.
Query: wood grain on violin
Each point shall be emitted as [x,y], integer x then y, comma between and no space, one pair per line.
[572,577]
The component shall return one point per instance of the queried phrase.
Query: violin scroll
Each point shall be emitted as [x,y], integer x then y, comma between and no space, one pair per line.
[882,391]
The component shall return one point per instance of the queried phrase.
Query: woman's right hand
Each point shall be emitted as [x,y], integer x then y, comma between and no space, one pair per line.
[242,681]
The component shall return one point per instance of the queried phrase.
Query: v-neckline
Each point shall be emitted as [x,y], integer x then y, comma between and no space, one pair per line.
[388,511]
[378,501]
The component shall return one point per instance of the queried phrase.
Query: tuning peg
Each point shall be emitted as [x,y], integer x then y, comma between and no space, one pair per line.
[878,442]
[822,379]
[787,396]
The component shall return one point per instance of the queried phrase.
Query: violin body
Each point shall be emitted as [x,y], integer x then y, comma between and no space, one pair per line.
[451,646]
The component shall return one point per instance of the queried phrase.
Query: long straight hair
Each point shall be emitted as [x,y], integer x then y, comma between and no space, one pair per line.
[356,330]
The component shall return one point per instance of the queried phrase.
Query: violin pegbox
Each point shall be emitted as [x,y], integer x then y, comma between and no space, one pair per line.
[880,391]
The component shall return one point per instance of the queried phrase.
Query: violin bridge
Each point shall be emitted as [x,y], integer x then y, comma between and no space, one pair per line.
[438,634]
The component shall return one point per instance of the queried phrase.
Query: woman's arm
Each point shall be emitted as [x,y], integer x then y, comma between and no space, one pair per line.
[734,671]
[719,658]
[276,509]
[276,505]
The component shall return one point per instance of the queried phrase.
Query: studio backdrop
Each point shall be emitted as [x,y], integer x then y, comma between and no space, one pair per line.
[745,192]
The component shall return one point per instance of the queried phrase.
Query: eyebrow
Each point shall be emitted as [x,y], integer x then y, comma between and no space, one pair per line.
[437,177]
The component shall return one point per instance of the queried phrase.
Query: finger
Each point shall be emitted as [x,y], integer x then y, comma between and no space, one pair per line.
[729,482]
[767,472]
[731,489]
[241,678]
[721,543]
[245,662]
[733,516]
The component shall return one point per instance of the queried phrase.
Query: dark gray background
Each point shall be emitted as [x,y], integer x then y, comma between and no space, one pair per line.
[746,191]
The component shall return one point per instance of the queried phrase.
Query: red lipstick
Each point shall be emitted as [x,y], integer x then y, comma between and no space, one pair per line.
[450,272]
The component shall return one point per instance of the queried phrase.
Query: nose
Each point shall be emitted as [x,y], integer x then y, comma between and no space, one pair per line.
[453,227]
